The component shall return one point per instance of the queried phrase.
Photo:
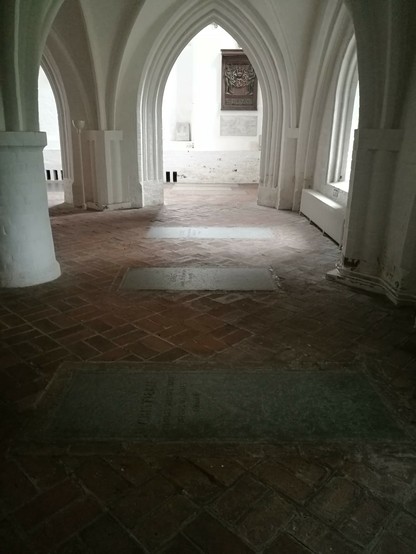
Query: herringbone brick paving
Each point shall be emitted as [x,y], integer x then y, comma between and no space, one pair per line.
[213,499]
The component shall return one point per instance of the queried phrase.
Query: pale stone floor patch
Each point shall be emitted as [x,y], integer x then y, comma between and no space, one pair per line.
[241,233]
[118,402]
[199,278]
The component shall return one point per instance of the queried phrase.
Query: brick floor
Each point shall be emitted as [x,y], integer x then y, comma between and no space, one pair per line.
[212,498]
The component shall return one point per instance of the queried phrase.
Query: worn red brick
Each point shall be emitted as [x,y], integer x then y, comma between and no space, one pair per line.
[224,470]
[335,499]
[213,537]
[236,500]
[283,480]
[136,503]
[133,468]
[319,537]
[181,545]
[196,483]
[392,544]
[99,325]
[82,349]
[53,355]
[156,344]
[46,504]
[285,544]
[149,325]
[100,343]
[64,523]
[165,522]
[404,526]
[365,521]
[107,536]
[130,337]
[44,471]
[119,331]
[45,343]
[11,541]
[101,479]
[261,523]
[170,355]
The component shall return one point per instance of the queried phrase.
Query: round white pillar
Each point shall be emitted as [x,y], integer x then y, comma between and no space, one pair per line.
[27,254]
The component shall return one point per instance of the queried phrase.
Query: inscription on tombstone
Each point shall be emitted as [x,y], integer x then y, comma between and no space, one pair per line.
[147,403]
[283,405]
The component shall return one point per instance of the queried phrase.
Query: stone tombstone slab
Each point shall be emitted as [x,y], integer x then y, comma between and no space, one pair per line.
[240,233]
[238,125]
[199,278]
[125,404]
[183,131]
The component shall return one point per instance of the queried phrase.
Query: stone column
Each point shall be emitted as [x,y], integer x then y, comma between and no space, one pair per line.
[378,226]
[372,179]
[27,254]
[285,199]
[102,170]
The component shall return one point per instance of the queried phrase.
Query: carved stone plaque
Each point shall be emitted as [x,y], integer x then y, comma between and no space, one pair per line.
[239,82]
[238,125]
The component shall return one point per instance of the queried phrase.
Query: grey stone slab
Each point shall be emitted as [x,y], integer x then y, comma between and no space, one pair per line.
[126,404]
[199,278]
[183,131]
[238,125]
[242,233]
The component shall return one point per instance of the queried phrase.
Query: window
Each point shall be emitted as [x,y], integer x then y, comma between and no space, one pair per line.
[345,120]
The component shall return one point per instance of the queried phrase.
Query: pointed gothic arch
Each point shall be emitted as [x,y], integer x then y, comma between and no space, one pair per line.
[265,54]
[64,117]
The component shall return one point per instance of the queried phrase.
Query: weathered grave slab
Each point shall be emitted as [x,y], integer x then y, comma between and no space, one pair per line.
[241,233]
[199,278]
[120,403]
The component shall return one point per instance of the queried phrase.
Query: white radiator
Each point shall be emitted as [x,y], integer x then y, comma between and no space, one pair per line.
[324,212]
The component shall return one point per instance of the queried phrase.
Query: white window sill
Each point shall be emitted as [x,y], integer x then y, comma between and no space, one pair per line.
[341,185]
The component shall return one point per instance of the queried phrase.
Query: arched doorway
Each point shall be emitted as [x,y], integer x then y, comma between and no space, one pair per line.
[210,135]
[53,75]
[48,122]
[260,45]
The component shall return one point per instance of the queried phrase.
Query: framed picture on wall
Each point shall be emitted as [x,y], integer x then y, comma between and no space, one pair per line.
[239,82]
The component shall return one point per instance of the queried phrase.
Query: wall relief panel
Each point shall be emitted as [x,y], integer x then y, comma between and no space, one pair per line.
[239,82]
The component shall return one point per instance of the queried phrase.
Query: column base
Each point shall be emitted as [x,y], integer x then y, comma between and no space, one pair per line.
[102,207]
[267,196]
[27,255]
[20,279]
[369,283]
[152,193]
